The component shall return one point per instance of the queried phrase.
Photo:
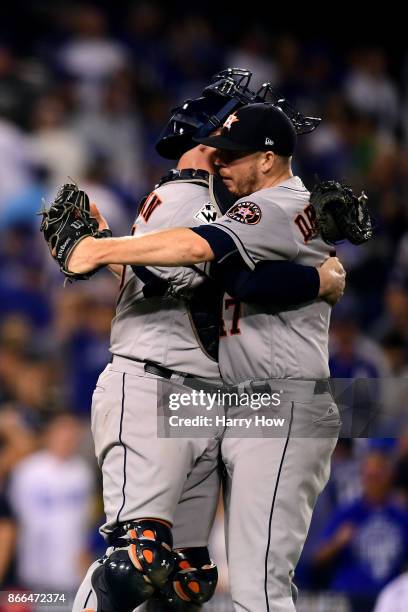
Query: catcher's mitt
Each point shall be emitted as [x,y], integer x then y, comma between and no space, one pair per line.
[66,222]
[340,215]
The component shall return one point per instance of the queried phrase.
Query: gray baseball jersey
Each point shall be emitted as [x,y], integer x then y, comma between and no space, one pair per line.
[274,479]
[156,330]
[159,329]
[274,223]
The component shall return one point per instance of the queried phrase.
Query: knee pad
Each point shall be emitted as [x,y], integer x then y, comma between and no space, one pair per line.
[131,573]
[196,577]
[192,582]
[150,549]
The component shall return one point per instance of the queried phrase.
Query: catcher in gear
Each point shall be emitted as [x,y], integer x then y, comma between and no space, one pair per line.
[68,221]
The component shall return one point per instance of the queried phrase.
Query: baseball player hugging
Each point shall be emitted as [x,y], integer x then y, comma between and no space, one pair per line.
[270,346]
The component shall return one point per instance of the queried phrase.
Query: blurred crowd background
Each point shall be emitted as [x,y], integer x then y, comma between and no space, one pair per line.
[84,93]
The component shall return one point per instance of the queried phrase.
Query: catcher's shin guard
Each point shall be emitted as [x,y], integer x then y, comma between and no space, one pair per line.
[191,583]
[129,574]
[128,590]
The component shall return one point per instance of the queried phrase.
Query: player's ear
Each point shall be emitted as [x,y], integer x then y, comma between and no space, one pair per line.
[267,161]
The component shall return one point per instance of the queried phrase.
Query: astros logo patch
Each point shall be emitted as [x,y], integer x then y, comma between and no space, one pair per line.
[245,212]
[230,120]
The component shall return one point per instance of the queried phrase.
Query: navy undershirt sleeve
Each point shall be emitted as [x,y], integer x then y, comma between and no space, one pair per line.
[272,283]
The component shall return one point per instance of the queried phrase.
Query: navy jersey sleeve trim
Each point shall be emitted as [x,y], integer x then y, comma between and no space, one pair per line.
[224,242]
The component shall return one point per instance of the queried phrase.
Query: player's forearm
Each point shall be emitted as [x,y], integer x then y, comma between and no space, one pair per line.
[174,247]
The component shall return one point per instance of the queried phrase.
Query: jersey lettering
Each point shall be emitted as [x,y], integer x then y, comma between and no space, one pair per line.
[306,223]
[235,329]
[150,204]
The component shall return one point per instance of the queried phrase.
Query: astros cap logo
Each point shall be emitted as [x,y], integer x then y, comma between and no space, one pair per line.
[230,120]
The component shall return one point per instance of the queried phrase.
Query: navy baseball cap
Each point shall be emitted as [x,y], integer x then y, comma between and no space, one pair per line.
[255,127]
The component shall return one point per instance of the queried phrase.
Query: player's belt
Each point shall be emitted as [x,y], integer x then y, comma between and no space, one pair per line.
[158,370]
[138,367]
[321,386]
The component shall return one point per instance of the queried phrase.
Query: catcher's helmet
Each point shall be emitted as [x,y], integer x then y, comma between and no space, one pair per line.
[201,116]
[228,91]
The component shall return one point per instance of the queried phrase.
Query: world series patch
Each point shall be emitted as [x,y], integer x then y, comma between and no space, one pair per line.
[245,212]
[206,214]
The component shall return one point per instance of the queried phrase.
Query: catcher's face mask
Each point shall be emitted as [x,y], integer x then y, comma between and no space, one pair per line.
[228,91]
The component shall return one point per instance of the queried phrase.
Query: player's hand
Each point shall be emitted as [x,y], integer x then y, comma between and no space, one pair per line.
[332,280]
[116,269]
[81,259]
[95,213]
